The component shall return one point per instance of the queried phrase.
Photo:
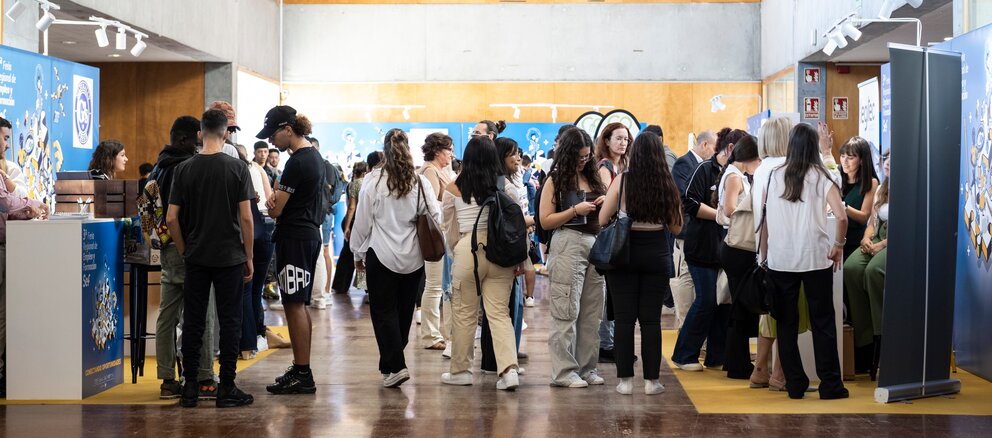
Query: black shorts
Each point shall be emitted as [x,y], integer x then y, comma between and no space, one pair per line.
[295,264]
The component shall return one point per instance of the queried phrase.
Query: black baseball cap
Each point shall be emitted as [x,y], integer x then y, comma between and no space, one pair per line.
[276,118]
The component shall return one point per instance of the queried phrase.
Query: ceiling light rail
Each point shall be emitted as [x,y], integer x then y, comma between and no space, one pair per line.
[48,19]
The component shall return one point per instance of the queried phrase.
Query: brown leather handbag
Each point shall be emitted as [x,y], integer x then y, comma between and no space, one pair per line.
[428,232]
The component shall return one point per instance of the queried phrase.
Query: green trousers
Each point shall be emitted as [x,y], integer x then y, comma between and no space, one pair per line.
[864,277]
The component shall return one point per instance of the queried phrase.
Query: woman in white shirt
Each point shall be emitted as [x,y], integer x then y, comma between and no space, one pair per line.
[799,252]
[462,199]
[384,241]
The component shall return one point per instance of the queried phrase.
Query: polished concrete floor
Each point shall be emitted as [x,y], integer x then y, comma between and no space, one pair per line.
[351,402]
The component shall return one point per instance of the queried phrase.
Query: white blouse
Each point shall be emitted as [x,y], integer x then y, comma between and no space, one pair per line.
[798,239]
[388,224]
[721,218]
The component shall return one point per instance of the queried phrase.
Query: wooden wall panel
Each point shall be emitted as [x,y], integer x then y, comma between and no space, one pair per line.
[140,100]
[846,85]
[679,107]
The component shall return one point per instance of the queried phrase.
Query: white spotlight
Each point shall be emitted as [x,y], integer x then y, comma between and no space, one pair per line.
[101,37]
[406,113]
[849,30]
[139,47]
[516,112]
[716,104]
[16,10]
[554,114]
[47,18]
[829,48]
[839,39]
[121,39]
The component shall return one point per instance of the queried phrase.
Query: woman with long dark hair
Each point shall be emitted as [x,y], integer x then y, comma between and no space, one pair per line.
[570,201]
[864,274]
[799,252]
[611,154]
[651,200]
[384,240]
[462,204]
[706,320]
[858,189]
[734,189]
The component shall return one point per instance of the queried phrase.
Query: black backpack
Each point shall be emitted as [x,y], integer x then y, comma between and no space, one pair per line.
[543,236]
[507,233]
[333,187]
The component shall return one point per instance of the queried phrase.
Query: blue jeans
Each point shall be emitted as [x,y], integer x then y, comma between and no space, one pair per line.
[706,321]
[446,278]
[518,309]
[605,333]
[253,315]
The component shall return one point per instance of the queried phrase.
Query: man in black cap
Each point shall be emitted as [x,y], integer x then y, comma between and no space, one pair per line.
[296,206]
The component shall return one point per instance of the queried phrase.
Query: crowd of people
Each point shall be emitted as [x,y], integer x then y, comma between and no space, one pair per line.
[234,224]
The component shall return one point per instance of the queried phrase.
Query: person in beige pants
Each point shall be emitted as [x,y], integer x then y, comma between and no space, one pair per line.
[683,290]
[570,202]
[438,152]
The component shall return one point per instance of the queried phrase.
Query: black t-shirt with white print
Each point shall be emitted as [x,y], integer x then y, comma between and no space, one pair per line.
[302,179]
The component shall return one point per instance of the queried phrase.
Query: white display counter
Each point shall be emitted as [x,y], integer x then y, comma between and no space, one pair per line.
[65,320]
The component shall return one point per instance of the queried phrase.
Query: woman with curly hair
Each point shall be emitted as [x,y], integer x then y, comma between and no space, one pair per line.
[108,161]
[438,152]
[570,200]
[384,241]
[647,194]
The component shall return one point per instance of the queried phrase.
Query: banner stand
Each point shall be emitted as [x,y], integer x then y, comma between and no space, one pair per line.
[918,314]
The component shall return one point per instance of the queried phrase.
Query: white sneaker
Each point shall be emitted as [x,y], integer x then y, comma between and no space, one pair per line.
[521,371]
[696,366]
[262,343]
[247,355]
[276,305]
[394,380]
[652,387]
[573,381]
[523,325]
[318,303]
[626,385]
[478,332]
[509,381]
[529,302]
[416,316]
[463,378]
[593,378]
[447,351]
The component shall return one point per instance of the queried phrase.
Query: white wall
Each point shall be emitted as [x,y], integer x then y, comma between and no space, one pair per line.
[522,42]
[243,32]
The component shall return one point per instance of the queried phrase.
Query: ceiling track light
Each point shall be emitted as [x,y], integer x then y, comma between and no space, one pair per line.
[139,47]
[46,20]
[121,43]
[101,36]
[516,112]
[847,27]
[717,105]
[16,10]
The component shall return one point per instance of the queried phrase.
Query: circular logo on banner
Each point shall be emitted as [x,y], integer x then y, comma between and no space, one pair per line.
[83,104]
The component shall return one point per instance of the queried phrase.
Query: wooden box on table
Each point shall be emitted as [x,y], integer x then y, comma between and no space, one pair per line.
[111,199]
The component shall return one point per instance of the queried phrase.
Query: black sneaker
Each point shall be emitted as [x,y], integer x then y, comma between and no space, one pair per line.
[229,396]
[293,382]
[170,389]
[606,356]
[191,394]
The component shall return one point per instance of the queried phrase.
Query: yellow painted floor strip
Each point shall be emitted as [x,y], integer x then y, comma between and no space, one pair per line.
[146,391]
[713,393]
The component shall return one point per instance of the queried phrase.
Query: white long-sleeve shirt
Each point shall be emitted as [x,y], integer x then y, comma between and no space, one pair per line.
[388,225]
[15,175]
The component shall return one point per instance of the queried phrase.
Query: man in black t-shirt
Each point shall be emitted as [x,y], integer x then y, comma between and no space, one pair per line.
[210,219]
[296,206]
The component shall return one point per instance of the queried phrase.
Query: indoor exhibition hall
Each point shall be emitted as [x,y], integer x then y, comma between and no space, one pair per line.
[495,218]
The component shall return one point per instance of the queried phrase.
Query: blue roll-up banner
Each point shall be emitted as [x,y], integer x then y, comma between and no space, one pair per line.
[973,291]
[103,300]
[53,106]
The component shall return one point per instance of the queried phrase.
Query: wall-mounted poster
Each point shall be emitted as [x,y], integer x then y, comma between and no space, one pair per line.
[869,115]
[840,108]
[811,107]
[103,301]
[53,106]
[811,75]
